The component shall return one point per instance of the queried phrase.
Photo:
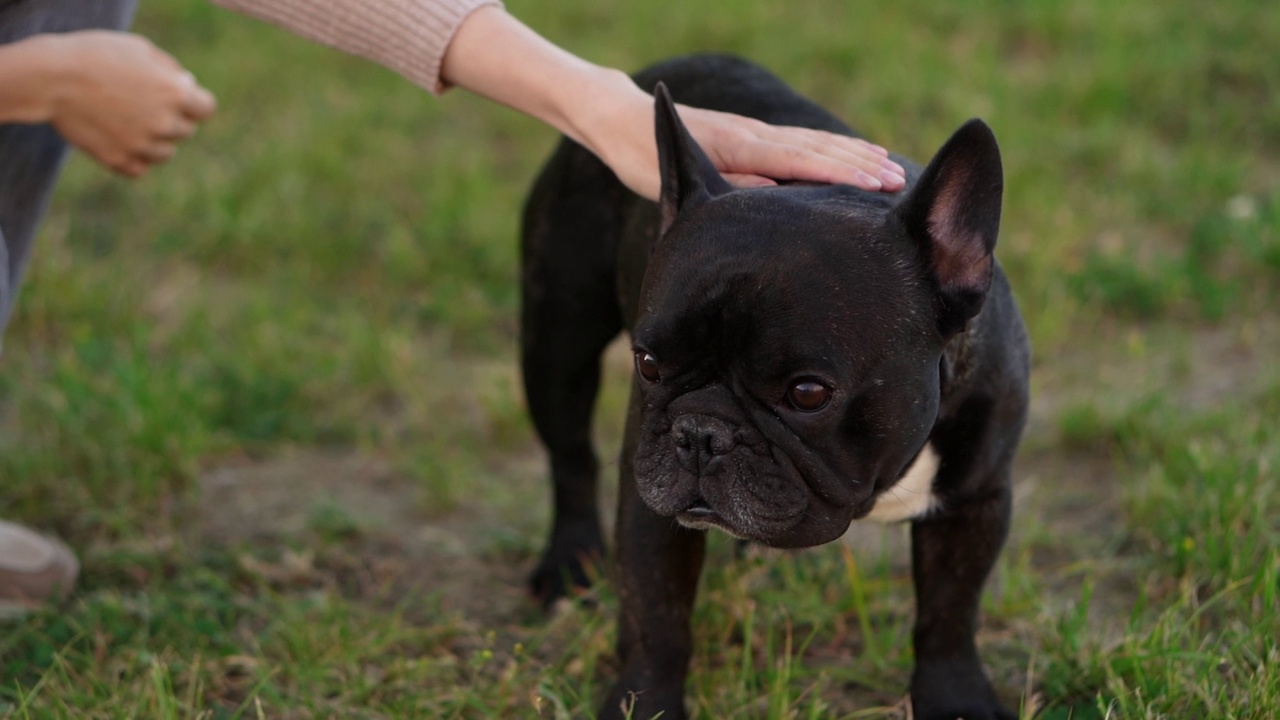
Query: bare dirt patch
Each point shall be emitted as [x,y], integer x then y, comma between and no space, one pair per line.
[389,547]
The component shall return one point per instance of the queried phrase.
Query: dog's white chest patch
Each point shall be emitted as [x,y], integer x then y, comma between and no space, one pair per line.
[913,495]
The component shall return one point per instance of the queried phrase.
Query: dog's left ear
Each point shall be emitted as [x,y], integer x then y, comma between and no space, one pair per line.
[688,177]
[953,212]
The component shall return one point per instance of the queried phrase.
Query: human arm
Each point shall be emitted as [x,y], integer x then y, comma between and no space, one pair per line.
[475,44]
[495,55]
[114,95]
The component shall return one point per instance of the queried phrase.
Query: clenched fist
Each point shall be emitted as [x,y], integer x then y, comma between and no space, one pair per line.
[114,95]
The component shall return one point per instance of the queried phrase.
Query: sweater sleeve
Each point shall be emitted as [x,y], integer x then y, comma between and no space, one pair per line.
[407,36]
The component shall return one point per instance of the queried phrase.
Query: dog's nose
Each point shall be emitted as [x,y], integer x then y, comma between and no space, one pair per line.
[700,440]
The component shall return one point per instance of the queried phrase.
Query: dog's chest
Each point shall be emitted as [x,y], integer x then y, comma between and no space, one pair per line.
[912,496]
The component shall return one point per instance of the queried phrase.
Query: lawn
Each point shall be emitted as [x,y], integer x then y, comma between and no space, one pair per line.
[270,393]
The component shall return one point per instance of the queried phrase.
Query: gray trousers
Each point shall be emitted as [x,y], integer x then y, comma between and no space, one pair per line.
[31,155]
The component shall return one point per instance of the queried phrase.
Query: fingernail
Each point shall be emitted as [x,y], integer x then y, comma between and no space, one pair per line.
[867,182]
[892,180]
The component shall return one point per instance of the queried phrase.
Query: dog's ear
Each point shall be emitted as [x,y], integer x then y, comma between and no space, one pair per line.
[953,212]
[688,177]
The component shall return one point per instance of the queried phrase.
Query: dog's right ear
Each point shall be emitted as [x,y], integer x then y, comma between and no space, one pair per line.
[688,177]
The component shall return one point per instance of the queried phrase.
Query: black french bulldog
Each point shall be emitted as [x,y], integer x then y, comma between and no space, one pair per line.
[805,356]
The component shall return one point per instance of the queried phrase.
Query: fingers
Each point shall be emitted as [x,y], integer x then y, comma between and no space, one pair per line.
[193,100]
[157,153]
[870,159]
[127,104]
[741,180]
[861,167]
[179,128]
[162,144]
[800,154]
[197,103]
[132,168]
[134,158]
[743,147]
[136,164]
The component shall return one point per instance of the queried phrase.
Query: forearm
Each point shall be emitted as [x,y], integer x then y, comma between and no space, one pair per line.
[113,95]
[407,36]
[494,55]
[436,43]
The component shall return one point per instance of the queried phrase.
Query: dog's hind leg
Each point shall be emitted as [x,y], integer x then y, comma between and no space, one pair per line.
[569,315]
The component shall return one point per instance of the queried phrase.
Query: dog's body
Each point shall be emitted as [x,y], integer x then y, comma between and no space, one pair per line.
[806,356]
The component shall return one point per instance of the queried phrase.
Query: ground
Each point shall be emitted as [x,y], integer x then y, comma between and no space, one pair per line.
[270,393]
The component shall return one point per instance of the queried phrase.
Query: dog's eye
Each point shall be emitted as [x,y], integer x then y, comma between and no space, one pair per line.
[647,366]
[809,396]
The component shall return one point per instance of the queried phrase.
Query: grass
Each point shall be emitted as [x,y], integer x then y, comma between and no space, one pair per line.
[270,393]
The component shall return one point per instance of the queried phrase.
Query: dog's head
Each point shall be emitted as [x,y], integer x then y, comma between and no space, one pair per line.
[788,339]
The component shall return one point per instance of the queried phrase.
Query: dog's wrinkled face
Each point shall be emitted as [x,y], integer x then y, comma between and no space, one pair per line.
[788,371]
[775,398]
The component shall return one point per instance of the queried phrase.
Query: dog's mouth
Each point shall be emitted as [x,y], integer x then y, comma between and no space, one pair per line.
[698,512]
[700,516]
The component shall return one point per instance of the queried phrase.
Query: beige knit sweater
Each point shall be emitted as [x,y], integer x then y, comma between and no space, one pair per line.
[408,36]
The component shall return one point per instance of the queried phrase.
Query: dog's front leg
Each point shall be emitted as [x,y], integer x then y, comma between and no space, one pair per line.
[658,565]
[951,557]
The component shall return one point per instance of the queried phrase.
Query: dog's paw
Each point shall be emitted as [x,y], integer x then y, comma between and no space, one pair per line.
[623,704]
[568,566]
[967,712]
[955,692]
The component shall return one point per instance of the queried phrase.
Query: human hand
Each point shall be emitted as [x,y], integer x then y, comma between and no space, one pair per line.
[122,100]
[618,127]
[495,55]
[750,153]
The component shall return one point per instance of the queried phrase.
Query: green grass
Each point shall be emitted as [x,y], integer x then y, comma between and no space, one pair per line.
[1200,640]
[270,393]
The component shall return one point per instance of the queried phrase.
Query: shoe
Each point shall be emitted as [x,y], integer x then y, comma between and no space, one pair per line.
[33,569]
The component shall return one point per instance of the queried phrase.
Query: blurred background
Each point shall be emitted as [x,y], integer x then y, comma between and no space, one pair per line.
[270,392]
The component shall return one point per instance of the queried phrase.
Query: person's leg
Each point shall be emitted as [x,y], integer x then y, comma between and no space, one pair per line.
[30,157]
[33,567]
